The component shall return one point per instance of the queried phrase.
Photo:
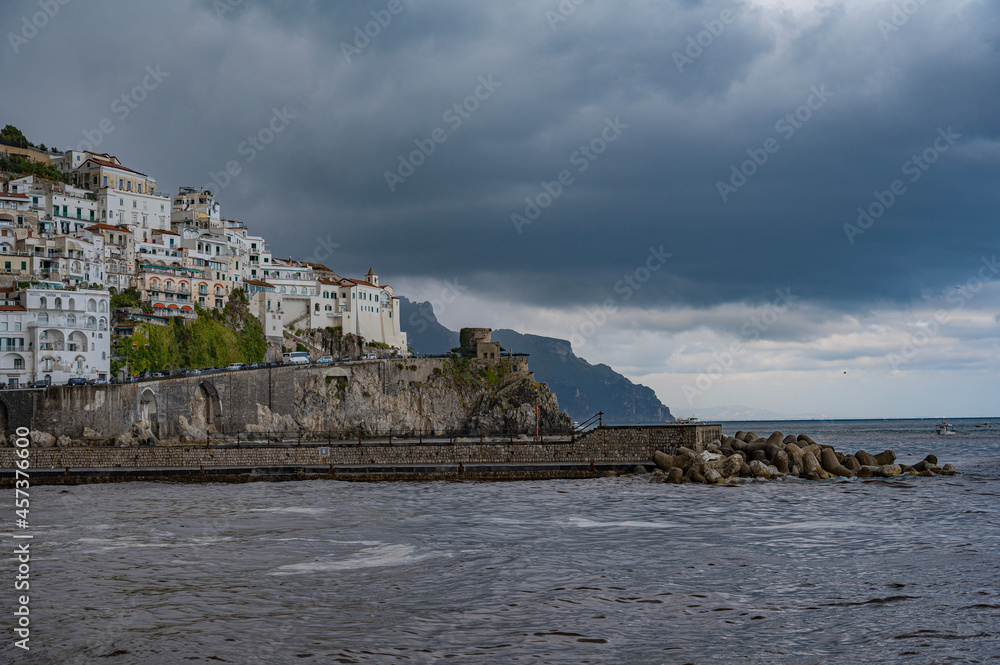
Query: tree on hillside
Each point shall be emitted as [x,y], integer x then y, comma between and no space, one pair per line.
[14,135]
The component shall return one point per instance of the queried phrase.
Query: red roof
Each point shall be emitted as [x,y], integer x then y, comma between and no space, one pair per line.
[12,308]
[362,283]
[11,195]
[254,282]
[112,165]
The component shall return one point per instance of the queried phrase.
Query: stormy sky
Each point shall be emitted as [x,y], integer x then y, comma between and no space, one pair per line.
[785,204]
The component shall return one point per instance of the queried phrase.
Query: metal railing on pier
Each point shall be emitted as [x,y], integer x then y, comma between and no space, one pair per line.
[391,437]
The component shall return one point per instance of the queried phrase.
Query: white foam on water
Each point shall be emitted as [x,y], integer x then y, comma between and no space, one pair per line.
[380,556]
[590,524]
[288,509]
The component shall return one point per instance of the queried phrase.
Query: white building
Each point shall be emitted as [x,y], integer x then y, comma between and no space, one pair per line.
[143,213]
[196,209]
[54,335]
[360,307]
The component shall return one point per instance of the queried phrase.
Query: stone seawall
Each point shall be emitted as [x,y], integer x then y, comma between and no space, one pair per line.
[402,395]
[602,446]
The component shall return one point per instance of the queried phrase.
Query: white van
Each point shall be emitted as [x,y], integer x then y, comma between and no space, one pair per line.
[295,358]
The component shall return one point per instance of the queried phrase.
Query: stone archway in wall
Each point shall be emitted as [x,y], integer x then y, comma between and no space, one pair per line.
[147,411]
[206,409]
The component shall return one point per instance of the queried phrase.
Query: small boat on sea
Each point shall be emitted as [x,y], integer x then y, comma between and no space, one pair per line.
[945,429]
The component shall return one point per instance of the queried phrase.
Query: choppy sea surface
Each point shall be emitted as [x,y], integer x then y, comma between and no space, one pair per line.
[612,570]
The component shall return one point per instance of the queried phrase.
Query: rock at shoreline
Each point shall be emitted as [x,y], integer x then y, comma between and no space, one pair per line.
[886,457]
[778,456]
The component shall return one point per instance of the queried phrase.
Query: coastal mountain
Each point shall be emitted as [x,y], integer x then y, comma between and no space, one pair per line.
[582,389]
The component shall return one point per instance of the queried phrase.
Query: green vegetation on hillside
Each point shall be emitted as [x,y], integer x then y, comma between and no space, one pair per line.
[216,338]
[21,166]
[130,297]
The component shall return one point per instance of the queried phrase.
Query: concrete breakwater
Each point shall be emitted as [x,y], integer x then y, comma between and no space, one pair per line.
[603,449]
[748,455]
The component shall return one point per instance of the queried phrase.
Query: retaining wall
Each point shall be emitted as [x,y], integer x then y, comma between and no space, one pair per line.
[619,445]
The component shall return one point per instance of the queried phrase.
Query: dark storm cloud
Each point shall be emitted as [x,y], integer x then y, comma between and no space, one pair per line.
[352,111]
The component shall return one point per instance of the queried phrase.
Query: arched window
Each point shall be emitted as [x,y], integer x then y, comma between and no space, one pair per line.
[102,306]
[42,302]
[58,303]
[71,320]
[91,322]
[79,364]
[91,305]
[47,364]
[103,324]
[72,303]
[43,318]
[104,355]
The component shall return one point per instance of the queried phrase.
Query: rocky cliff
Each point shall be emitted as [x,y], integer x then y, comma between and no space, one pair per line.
[583,389]
[407,396]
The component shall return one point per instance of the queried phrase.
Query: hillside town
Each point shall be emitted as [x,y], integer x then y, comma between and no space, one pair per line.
[96,227]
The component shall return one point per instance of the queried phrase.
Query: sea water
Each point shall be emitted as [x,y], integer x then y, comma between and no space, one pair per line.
[611,570]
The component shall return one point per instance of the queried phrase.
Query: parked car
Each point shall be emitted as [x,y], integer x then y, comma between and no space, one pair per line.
[194,371]
[234,367]
[295,358]
[159,375]
[75,381]
[101,382]
[368,356]
[345,359]
[325,359]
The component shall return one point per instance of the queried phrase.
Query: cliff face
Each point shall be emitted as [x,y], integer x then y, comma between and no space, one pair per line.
[583,389]
[425,395]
